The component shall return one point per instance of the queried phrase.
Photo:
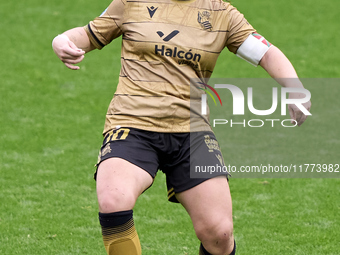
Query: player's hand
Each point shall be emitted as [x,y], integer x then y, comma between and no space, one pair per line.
[294,112]
[67,51]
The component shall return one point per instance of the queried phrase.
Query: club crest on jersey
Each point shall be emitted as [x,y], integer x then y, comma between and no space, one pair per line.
[152,11]
[203,20]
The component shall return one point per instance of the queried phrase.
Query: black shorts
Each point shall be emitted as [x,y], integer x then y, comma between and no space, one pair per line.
[175,154]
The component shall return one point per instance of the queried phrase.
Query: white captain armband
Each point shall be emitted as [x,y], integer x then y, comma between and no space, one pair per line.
[253,49]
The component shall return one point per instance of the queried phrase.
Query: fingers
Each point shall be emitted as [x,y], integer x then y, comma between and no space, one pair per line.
[300,118]
[297,115]
[71,61]
[72,55]
[72,67]
[292,114]
[67,52]
[73,51]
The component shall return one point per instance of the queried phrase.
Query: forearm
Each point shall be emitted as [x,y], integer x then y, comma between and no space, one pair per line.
[280,68]
[79,37]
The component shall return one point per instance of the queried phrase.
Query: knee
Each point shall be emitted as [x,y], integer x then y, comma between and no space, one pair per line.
[222,230]
[217,237]
[110,201]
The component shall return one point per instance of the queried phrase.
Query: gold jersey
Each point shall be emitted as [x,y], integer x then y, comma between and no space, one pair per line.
[165,43]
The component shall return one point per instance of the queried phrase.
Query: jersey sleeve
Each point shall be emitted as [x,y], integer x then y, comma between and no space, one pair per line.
[108,26]
[238,29]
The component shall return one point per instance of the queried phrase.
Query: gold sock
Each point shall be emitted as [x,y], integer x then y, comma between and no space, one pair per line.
[119,233]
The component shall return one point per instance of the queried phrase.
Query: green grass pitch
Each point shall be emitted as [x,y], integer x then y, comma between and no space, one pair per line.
[51,120]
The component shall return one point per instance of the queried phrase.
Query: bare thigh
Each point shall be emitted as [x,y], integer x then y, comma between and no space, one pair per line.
[119,184]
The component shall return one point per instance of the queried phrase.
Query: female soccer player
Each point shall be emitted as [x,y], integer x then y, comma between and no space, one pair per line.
[165,43]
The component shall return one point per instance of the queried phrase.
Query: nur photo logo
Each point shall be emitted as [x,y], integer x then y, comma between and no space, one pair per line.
[242,98]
